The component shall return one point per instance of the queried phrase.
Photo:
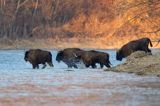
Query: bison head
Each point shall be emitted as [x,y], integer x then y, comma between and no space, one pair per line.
[59,56]
[26,56]
[119,55]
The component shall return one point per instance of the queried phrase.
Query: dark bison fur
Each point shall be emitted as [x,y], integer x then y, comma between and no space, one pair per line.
[68,56]
[37,56]
[132,46]
[90,58]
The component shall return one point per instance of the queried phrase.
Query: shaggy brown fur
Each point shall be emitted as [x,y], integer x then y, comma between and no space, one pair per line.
[132,46]
[37,56]
[90,58]
[68,56]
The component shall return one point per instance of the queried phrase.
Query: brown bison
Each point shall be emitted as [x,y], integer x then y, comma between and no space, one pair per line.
[37,56]
[90,58]
[68,56]
[132,46]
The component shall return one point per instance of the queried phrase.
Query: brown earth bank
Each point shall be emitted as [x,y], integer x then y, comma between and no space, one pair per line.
[140,63]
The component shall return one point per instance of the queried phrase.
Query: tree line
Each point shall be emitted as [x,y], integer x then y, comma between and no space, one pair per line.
[46,18]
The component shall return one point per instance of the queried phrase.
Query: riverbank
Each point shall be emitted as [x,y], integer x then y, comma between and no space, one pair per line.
[140,63]
[61,43]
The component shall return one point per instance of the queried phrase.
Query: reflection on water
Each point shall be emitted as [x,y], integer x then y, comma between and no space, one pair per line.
[21,85]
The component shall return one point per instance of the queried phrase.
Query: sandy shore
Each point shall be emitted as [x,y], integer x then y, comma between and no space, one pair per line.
[140,63]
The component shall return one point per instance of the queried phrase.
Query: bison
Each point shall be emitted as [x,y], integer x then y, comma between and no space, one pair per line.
[90,58]
[37,56]
[132,46]
[68,56]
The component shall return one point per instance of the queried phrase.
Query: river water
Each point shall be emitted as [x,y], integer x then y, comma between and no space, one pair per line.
[20,85]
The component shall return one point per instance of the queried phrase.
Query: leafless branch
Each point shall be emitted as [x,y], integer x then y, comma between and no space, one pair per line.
[133,18]
[20,4]
[35,7]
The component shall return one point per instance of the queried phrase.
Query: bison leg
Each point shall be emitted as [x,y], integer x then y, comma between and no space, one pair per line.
[35,66]
[107,65]
[44,65]
[71,64]
[94,66]
[87,65]
[69,67]
[75,66]
[101,65]
[50,64]
[149,51]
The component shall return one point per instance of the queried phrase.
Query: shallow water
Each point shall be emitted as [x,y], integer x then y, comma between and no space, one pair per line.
[21,85]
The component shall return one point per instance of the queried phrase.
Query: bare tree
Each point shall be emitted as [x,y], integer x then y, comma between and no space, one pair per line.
[157,3]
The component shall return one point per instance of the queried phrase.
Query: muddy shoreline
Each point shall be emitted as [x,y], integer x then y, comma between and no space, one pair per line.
[140,63]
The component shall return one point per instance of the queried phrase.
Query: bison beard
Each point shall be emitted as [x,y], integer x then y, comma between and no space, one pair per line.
[37,56]
[132,46]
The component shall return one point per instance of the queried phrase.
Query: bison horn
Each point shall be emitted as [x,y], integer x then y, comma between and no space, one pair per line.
[75,55]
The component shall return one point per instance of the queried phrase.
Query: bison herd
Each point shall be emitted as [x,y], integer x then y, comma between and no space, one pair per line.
[71,56]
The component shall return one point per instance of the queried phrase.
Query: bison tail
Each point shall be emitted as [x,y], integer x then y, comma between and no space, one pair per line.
[110,63]
[50,54]
[50,57]
[150,43]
